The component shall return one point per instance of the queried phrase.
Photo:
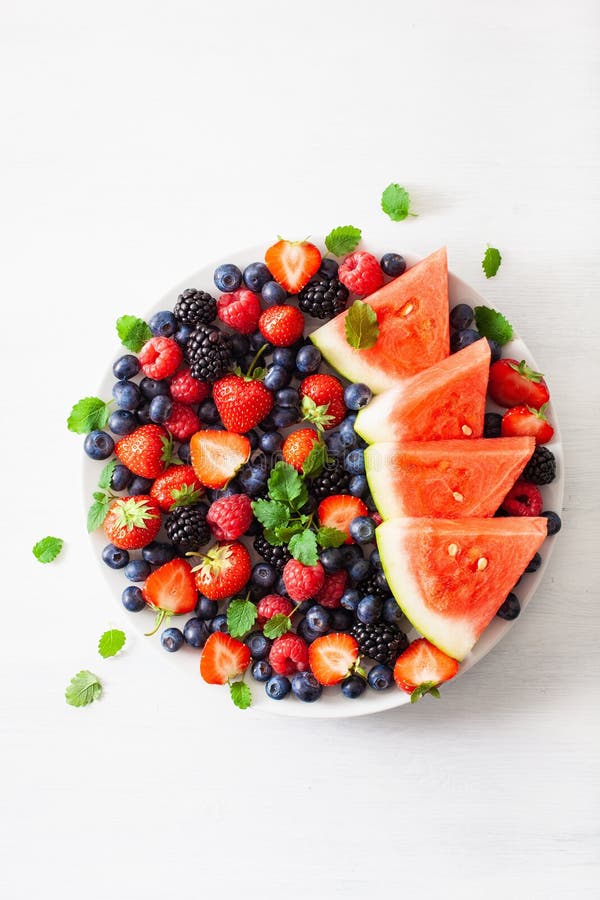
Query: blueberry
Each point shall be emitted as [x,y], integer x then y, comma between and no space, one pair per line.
[492,425]
[534,563]
[306,632]
[329,268]
[284,356]
[341,620]
[254,439]
[157,553]
[261,670]
[252,481]
[205,608]
[264,575]
[353,686]
[183,452]
[122,421]
[381,582]
[306,687]
[348,436]
[196,632]
[183,334]
[461,316]
[303,607]
[362,529]
[331,559]
[160,409]
[288,397]
[256,276]
[284,416]
[120,478]
[318,618]
[114,557]
[98,445]
[254,528]
[126,366]
[143,414]
[227,278]
[350,599]
[240,345]
[510,609]
[462,339]
[335,444]
[127,395]
[355,462]
[495,350]
[369,609]
[139,486]
[163,323]
[276,378]
[258,645]
[278,687]
[554,522]
[392,264]
[392,614]
[359,570]
[151,388]
[357,395]
[280,587]
[375,561]
[137,570]
[258,340]
[172,639]
[270,442]
[219,623]
[380,677]
[273,294]
[133,599]
[208,413]
[308,359]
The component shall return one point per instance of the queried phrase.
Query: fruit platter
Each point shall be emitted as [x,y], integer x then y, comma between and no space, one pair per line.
[325,482]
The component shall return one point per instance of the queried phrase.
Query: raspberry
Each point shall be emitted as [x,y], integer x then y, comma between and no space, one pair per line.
[160,357]
[229,517]
[523,499]
[289,654]
[332,590]
[187,389]
[302,582]
[240,310]
[183,422]
[273,605]
[376,518]
[361,273]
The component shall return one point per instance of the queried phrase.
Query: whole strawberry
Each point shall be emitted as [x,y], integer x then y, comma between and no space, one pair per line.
[323,400]
[132,522]
[302,582]
[298,445]
[240,310]
[146,451]
[361,273]
[223,571]
[242,402]
[282,326]
[183,422]
[177,486]
[186,389]
[230,517]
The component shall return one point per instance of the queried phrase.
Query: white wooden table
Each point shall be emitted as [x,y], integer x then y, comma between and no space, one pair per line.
[141,140]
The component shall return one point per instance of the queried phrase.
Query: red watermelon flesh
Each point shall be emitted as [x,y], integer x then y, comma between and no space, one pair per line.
[443,402]
[450,576]
[446,479]
[412,314]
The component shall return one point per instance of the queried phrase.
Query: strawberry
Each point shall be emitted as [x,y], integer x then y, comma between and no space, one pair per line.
[160,357]
[132,522]
[513,383]
[230,517]
[421,668]
[338,510]
[293,263]
[217,455]
[282,326]
[170,590]
[289,654]
[302,582]
[146,451]
[323,400]
[178,486]
[183,422]
[332,657]
[223,571]
[242,402]
[332,590]
[526,420]
[186,389]
[240,310]
[298,445]
[223,657]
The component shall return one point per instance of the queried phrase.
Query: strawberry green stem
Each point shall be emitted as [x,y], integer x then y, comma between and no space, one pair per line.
[257,356]
[162,615]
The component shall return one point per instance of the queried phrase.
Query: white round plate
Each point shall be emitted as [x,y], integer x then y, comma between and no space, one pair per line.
[332,703]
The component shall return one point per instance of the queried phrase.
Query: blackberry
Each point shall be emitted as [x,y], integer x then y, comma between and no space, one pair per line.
[209,353]
[186,526]
[323,297]
[541,468]
[381,642]
[276,556]
[374,583]
[195,308]
[333,480]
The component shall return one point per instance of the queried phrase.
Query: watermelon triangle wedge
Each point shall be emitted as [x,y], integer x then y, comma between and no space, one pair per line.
[445,479]
[412,313]
[450,576]
[443,402]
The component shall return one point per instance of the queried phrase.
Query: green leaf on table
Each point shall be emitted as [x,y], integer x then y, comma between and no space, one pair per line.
[491,261]
[84,688]
[285,483]
[111,642]
[240,694]
[87,415]
[395,202]
[303,547]
[271,513]
[330,537]
[46,550]
[343,239]
[493,325]
[276,626]
[241,616]
[362,327]
[133,332]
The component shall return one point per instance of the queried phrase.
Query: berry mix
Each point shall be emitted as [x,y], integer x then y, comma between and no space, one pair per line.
[236,495]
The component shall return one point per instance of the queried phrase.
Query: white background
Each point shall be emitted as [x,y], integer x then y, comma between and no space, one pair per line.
[140,140]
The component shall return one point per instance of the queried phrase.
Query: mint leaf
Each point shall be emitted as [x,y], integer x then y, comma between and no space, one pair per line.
[241,616]
[491,261]
[285,483]
[97,511]
[315,461]
[271,513]
[106,474]
[276,626]
[330,537]
[343,240]
[395,202]
[84,688]
[240,694]
[428,687]
[111,642]
[46,550]
[133,332]
[285,533]
[303,547]
[492,324]
[362,328]
[271,535]
[87,415]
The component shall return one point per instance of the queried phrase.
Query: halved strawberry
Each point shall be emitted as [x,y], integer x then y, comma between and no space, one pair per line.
[525,420]
[224,570]
[293,263]
[178,486]
[338,510]
[421,668]
[332,656]
[223,657]
[217,455]
[514,383]
[170,590]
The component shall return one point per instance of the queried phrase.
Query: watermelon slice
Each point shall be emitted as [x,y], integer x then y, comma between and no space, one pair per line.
[445,401]
[412,313]
[446,479]
[451,576]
